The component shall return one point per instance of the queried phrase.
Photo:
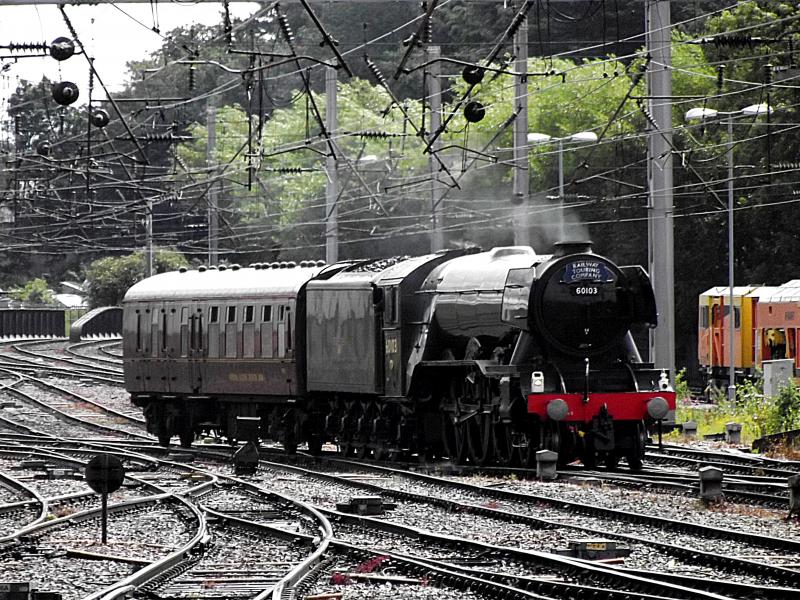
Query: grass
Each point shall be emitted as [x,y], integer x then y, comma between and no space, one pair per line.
[758,414]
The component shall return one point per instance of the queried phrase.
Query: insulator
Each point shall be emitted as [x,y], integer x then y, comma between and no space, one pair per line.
[290,170]
[191,77]
[158,137]
[768,74]
[472,74]
[787,166]
[65,92]
[286,30]
[474,111]
[720,77]
[376,72]
[731,40]
[62,48]
[227,20]
[375,134]
[26,47]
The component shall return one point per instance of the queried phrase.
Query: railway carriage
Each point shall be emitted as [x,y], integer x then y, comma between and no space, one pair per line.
[476,356]
[203,347]
[766,327]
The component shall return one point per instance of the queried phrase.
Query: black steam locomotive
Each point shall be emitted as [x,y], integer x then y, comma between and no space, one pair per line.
[476,356]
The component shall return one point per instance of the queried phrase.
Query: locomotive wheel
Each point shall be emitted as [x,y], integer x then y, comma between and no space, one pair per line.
[164,439]
[635,454]
[186,437]
[504,450]
[479,438]
[551,437]
[346,448]
[290,444]
[589,455]
[314,443]
[530,445]
[454,439]
[611,461]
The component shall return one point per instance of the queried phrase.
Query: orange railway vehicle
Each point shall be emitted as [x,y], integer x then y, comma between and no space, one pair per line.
[766,323]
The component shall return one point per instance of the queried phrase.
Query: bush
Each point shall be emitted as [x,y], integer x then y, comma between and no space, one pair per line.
[34,292]
[759,415]
[109,278]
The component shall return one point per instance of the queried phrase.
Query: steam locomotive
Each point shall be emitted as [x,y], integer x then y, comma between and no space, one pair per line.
[475,356]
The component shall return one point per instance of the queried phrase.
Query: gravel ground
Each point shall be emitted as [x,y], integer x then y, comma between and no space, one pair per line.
[141,533]
[78,409]
[110,396]
[31,415]
[73,579]
[495,531]
[336,580]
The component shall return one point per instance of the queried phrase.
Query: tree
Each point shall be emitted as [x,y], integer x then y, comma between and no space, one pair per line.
[109,278]
[34,292]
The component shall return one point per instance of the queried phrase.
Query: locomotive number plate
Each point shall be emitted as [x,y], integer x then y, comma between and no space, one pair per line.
[586,290]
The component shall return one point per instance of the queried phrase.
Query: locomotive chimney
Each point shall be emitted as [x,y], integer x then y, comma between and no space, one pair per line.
[572,247]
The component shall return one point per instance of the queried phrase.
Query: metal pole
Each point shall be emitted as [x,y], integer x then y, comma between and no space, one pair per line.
[561,190]
[104,518]
[148,242]
[731,313]
[521,182]
[659,165]
[434,122]
[331,166]
[211,163]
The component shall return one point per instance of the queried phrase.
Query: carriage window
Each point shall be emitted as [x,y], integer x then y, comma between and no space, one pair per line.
[281,310]
[266,314]
[138,332]
[703,316]
[213,314]
[164,331]
[231,314]
[184,313]
[737,317]
[248,314]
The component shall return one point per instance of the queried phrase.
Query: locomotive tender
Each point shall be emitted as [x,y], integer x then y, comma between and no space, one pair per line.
[476,356]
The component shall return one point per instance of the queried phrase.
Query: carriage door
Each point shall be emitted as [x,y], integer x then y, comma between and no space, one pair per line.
[718,353]
[197,346]
[392,355]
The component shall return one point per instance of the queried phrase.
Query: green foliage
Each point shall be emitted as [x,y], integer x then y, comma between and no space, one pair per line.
[35,291]
[759,415]
[682,386]
[109,278]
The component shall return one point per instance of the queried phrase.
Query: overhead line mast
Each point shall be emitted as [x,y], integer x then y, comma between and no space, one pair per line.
[659,169]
